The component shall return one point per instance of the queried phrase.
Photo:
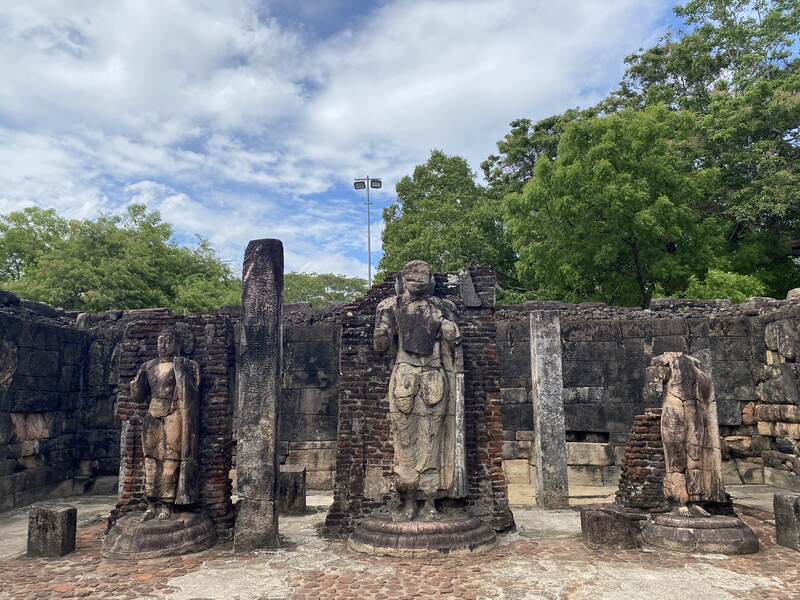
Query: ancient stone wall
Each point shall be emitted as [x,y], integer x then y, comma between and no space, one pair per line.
[207,339]
[57,435]
[605,351]
[309,401]
[365,453]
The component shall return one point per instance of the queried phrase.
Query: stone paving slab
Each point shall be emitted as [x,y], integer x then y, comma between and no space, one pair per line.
[543,559]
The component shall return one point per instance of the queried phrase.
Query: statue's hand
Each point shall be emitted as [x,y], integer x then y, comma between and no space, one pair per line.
[381,340]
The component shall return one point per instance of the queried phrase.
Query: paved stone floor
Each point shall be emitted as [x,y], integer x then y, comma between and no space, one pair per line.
[543,559]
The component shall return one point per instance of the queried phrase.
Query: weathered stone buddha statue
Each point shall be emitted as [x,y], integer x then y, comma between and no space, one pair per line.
[690,433]
[425,393]
[169,384]
[168,390]
[702,517]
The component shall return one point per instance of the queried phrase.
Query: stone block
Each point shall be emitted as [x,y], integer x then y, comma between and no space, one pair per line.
[583,395]
[739,445]
[787,519]
[294,426]
[292,490]
[312,356]
[320,480]
[321,459]
[782,336]
[750,472]
[730,474]
[51,529]
[521,494]
[609,526]
[517,471]
[517,417]
[514,396]
[782,479]
[583,453]
[592,476]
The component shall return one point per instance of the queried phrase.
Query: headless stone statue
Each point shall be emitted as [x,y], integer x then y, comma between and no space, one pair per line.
[170,426]
[425,393]
[690,433]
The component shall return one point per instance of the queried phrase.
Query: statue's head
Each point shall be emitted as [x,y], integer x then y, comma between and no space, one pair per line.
[168,343]
[417,278]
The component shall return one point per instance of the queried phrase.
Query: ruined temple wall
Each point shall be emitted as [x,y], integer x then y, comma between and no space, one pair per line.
[605,351]
[365,453]
[776,354]
[57,431]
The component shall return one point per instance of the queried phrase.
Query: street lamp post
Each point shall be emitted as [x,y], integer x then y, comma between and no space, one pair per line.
[365,183]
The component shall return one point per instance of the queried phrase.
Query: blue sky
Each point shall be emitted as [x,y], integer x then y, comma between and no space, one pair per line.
[245,119]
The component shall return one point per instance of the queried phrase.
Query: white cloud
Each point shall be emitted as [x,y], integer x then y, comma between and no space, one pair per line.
[238,125]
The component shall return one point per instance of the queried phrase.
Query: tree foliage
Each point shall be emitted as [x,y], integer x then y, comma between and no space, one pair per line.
[731,77]
[724,284]
[613,217]
[321,289]
[129,261]
[444,217]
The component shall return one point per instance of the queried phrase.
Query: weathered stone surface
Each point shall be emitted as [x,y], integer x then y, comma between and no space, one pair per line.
[51,529]
[292,490]
[451,537]
[703,535]
[609,526]
[135,538]
[259,365]
[584,453]
[787,519]
[550,446]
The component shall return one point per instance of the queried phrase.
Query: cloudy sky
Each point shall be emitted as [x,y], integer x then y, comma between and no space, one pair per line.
[244,119]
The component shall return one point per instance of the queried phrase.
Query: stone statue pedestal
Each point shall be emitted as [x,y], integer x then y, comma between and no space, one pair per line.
[714,534]
[452,536]
[183,532]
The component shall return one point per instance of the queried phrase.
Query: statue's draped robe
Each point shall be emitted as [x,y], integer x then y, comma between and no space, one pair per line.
[425,395]
[690,433]
[170,428]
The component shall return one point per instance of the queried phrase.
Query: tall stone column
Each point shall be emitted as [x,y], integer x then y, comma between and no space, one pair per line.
[259,371]
[550,445]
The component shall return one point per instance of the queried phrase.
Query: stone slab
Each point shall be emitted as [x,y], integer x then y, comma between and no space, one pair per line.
[609,526]
[587,453]
[51,529]
[787,519]
[550,445]
[292,490]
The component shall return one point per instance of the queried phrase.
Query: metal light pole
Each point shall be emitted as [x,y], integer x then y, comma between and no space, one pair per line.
[364,184]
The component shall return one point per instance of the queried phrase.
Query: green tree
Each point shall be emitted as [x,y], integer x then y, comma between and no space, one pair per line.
[724,284]
[613,217]
[322,289]
[128,261]
[444,217]
[26,235]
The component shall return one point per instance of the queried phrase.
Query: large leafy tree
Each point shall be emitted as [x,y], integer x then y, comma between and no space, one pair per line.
[732,71]
[444,217]
[128,261]
[321,289]
[613,217]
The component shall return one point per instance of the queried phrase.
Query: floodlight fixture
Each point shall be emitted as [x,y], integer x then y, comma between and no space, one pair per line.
[365,183]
